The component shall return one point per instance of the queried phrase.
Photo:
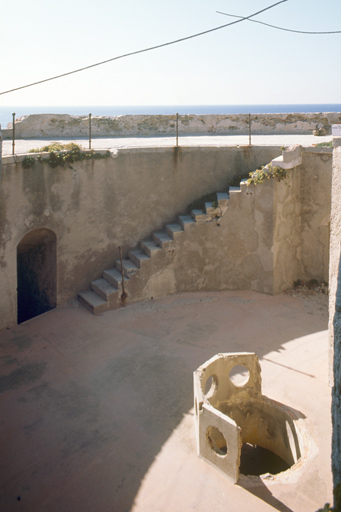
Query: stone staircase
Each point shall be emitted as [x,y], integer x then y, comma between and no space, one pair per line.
[107,292]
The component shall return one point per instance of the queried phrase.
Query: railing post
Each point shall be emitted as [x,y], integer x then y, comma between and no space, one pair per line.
[177,129]
[249,129]
[89,131]
[13,139]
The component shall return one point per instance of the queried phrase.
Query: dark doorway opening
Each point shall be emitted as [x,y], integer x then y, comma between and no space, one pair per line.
[36,274]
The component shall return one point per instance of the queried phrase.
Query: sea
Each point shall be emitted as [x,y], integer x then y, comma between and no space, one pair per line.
[6,113]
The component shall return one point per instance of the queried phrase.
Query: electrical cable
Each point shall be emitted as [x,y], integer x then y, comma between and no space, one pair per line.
[144,50]
[280,28]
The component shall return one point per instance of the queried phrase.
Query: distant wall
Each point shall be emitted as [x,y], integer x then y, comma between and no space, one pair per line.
[57,125]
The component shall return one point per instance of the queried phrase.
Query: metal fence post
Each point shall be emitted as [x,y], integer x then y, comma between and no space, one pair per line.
[177,129]
[13,140]
[89,131]
[249,129]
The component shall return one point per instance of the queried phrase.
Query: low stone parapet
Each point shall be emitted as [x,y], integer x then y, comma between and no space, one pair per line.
[65,125]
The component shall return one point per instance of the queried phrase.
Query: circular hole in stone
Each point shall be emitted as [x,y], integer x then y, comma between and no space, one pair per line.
[255,460]
[210,386]
[239,375]
[216,441]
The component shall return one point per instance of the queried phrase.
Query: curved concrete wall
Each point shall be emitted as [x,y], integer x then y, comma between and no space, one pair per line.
[64,125]
[96,206]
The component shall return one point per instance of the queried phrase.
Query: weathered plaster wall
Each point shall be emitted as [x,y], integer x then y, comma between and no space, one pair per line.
[335,312]
[287,230]
[236,253]
[94,207]
[315,199]
[301,216]
[64,125]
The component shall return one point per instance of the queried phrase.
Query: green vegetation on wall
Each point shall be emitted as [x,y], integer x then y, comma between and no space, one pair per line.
[266,173]
[61,154]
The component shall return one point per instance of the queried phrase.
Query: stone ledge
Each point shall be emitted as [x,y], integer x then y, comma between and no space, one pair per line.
[290,158]
[336,142]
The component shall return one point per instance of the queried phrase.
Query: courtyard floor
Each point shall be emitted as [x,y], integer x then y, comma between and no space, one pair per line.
[96,412]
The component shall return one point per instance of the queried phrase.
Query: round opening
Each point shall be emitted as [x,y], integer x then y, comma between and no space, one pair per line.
[255,460]
[210,386]
[239,375]
[216,441]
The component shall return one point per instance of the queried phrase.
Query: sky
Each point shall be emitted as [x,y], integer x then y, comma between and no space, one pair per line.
[246,63]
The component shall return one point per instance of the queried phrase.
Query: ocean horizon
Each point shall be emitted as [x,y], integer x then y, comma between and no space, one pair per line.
[112,110]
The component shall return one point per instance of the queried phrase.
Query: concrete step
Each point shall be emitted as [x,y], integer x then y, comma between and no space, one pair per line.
[186,221]
[114,277]
[129,268]
[223,199]
[97,299]
[234,190]
[150,247]
[104,289]
[138,257]
[200,216]
[93,302]
[173,230]
[211,208]
[162,238]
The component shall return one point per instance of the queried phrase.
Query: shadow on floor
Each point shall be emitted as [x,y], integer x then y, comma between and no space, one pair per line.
[97,397]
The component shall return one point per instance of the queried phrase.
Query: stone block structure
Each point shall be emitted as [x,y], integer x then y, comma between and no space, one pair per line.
[232,418]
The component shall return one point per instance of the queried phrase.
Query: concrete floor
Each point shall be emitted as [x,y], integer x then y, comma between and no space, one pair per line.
[24,145]
[96,411]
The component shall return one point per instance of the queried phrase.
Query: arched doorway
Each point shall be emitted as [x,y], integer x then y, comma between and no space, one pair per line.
[36,274]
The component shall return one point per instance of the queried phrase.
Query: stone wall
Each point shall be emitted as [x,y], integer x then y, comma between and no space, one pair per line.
[96,206]
[286,248]
[58,125]
[315,199]
[335,315]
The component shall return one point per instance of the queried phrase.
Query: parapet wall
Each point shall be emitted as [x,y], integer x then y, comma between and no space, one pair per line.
[64,125]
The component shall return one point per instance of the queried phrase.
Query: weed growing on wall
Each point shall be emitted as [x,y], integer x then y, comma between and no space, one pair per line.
[265,173]
[55,146]
[28,162]
[61,154]
[325,144]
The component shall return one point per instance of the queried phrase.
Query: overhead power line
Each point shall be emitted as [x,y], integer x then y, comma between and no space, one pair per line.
[144,50]
[279,28]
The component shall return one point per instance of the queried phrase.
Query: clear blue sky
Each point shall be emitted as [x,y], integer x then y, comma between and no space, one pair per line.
[244,64]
